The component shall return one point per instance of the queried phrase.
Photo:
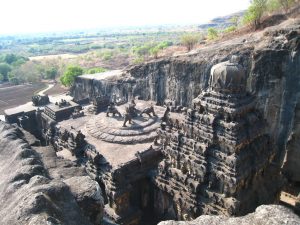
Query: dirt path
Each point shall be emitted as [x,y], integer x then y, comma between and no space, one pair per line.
[42,92]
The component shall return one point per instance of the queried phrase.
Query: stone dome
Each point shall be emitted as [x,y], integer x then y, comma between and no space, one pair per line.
[227,77]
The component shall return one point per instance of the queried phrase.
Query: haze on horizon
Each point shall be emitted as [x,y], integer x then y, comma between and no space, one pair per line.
[33,16]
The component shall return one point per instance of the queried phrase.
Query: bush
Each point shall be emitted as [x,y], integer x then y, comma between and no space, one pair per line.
[164,44]
[255,12]
[138,60]
[96,70]
[154,51]
[107,55]
[212,34]
[189,40]
[230,29]
[142,50]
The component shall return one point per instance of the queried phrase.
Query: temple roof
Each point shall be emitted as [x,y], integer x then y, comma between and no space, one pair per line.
[227,77]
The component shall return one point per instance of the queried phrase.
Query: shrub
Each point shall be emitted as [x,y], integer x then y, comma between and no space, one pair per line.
[255,12]
[230,29]
[96,70]
[190,40]
[212,33]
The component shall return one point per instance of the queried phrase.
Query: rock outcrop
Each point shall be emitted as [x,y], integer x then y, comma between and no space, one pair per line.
[271,60]
[265,214]
[38,188]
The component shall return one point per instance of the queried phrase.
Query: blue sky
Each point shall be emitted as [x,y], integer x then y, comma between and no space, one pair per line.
[27,16]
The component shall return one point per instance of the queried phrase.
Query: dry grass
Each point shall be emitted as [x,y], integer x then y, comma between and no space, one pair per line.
[62,56]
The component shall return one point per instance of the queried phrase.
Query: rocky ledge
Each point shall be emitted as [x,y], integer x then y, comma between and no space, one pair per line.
[265,214]
[36,187]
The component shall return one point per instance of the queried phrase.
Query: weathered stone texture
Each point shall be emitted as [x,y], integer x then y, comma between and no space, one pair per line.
[217,158]
[265,214]
[32,187]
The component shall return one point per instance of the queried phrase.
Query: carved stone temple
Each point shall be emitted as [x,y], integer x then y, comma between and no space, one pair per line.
[167,162]
[217,158]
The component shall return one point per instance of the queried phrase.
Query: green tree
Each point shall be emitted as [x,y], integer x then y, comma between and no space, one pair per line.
[71,73]
[189,40]
[27,72]
[255,12]
[4,70]
[51,73]
[1,77]
[212,33]
[10,58]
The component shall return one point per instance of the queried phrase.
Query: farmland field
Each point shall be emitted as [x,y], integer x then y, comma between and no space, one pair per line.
[11,96]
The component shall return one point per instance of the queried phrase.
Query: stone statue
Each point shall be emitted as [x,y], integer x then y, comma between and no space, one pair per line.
[39,100]
[127,116]
[165,117]
[77,113]
[148,111]
[112,109]
[79,139]
[130,112]
[132,108]
[63,103]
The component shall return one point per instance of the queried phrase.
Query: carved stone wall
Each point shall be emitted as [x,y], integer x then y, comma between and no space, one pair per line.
[217,158]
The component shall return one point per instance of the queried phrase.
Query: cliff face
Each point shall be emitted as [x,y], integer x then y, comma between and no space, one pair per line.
[270,57]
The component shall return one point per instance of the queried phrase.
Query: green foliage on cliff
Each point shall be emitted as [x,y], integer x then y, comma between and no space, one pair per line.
[230,29]
[69,76]
[254,13]
[96,70]
[190,40]
[212,33]
[286,4]
[152,49]
[259,7]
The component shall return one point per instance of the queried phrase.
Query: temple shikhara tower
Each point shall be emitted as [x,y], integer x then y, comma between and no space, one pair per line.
[217,157]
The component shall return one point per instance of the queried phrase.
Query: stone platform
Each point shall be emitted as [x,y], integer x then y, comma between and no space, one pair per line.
[117,144]
[110,129]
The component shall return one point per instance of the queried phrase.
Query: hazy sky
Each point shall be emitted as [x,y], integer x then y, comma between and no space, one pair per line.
[57,15]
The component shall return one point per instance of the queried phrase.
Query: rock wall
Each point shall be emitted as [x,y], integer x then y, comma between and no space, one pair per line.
[265,214]
[36,187]
[270,57]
